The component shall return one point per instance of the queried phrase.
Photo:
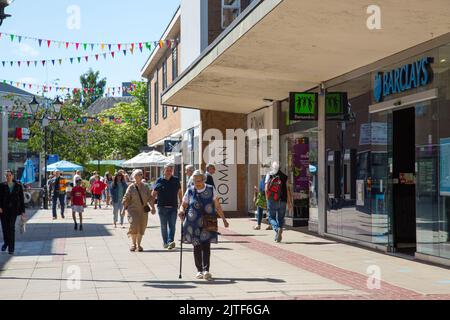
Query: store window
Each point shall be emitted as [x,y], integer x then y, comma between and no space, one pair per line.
[231,9]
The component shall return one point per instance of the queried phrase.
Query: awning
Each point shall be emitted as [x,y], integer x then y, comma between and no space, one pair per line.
[64,166]
[278,46]
[147,159]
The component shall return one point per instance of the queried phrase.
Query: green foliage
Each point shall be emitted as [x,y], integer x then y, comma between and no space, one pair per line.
[81,143]
[88,81]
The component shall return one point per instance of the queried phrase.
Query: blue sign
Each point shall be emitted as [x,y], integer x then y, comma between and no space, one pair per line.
[52,158]
[407,77]
[171,146]
[444,155]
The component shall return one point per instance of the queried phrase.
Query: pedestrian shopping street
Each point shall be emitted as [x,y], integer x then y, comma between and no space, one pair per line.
[51,257]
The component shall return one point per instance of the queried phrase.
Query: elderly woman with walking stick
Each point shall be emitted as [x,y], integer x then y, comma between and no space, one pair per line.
[200,222]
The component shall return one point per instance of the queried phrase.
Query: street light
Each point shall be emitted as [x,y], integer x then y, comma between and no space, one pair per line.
[45,121]
[3,5]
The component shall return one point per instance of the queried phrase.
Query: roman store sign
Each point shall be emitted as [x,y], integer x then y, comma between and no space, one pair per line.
[407,77]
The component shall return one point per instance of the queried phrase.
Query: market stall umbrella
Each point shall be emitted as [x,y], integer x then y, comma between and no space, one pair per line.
[64,166]
[28,175]
[147,159]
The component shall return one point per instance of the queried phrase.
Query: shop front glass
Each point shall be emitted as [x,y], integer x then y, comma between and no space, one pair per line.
[388,171]
[298,159]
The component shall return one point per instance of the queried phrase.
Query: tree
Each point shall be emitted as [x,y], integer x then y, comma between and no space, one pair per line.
[124,140]
[92,88]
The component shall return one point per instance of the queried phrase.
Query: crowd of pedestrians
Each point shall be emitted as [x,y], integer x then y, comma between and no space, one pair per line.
[195,203]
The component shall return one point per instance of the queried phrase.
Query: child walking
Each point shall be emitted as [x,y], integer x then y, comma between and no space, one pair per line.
[78,203]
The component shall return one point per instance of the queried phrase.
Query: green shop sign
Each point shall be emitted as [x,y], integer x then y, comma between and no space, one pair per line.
[304,105]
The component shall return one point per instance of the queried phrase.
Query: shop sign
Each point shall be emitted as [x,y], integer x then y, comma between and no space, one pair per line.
[171,146]
[410,76]
[303,106]
[336,105]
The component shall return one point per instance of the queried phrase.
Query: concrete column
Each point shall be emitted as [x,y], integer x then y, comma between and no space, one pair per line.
[322,223]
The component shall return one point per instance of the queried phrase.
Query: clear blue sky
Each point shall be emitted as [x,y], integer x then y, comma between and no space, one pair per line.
[109,21]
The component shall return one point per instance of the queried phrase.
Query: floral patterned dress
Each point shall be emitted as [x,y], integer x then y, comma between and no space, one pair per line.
[193,232]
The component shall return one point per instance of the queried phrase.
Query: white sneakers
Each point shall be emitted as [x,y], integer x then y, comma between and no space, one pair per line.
[257,227]
[207,276]
[171,245]
[204,275]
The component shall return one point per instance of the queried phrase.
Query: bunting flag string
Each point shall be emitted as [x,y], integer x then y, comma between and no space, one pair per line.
[65,89]
[79,120]
[85,45]
[59,61]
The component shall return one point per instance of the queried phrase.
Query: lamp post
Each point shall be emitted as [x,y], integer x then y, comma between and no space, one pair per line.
[3,5]
[45,120]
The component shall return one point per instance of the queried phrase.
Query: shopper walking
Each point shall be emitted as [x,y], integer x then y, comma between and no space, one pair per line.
[278,195]
[138,201]
[97,189]
[12,205]
[78,203]
[108,180]
[58,188]
[260,202]
[168,192]
[210,171]
[189,170]
[91,182]
[117,191]
[76,177]
[200,227]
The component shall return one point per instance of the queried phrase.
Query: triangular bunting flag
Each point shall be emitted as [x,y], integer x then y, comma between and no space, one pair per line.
[118,46]
[28,63]
[84,46]
[112,54]
[109,46]
[77,45]
[79,59]
[71,60]
[87,58]
[92,47]
[96,57]
[40,42]
[67,45]
[53,62]
[103,46]
[48,43]
[12,37]
[124,52]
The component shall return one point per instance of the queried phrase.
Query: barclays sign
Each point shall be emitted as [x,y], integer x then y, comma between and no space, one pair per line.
[407,77]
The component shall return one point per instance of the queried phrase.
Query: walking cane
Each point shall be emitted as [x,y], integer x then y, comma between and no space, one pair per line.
[181,249]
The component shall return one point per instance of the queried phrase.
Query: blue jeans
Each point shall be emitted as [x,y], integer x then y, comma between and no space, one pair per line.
[168,218]
[117,209]
[259,215]
[277,211]
[62,198]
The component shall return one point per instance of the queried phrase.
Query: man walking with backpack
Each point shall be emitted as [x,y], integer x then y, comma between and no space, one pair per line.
[278,197]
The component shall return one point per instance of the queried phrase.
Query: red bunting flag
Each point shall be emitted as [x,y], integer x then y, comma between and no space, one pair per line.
[67,45]
[77,45]
[118,46]
[112,54]
[96,57]
[48,43]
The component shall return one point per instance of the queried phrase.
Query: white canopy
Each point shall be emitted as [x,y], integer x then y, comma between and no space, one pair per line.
[147,159]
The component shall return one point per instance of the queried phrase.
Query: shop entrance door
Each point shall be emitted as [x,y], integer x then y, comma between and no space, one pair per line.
[403,178]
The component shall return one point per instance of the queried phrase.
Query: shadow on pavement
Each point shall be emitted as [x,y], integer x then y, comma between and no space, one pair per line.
[316,243]
[189,284]
[47,239]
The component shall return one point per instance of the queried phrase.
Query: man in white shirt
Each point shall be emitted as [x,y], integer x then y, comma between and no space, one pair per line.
[76,177]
